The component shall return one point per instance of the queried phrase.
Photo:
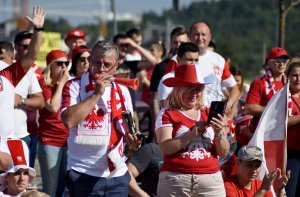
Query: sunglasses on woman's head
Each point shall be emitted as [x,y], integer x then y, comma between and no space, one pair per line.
[60,63]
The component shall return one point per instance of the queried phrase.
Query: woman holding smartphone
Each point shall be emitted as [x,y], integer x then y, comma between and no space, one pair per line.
[190,147]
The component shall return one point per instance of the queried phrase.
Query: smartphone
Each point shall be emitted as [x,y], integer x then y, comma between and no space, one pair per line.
[216,107]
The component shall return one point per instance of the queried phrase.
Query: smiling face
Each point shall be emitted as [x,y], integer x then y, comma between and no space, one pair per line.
[278,66]
[294,78]
[200,35]
[191,95]
[17,182]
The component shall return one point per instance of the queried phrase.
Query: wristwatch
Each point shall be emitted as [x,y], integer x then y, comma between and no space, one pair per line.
[23,103]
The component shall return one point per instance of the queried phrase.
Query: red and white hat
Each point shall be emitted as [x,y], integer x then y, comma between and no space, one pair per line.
[20,158]
[189,75]
[54,55]
[75,33]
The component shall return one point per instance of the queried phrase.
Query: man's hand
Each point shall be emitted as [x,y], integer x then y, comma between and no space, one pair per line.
[268,180]
[101,82]
[132,140]
[282,179]
[38,17]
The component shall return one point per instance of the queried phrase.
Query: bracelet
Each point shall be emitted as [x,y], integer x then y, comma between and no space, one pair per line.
[220,135]
[230,103]
[39,28]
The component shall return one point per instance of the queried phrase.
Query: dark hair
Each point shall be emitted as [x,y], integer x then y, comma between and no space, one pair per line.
[187,47]
[237,72]
[7,46]
[178,31]
[212,45]
[133,31]
[119,36]
[74,61]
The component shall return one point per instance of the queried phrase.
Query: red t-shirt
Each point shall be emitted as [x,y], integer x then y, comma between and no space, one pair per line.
[51,130]
[258,94]
[199,156]
[293,133]
[233,188]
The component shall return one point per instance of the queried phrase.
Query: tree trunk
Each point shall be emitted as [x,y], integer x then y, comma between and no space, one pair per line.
[282,17]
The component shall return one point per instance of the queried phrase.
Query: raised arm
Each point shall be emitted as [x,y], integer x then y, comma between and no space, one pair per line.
[34,46]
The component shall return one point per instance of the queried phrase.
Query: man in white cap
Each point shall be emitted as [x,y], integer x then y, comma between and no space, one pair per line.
[244,183]
[15,179]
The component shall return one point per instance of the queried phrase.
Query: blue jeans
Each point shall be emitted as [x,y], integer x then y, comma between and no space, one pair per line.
[53,164]
[27,140]
[293,164]
[32,149]
[82,185]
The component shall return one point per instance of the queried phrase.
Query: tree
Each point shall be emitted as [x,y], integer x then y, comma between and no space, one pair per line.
[284,8]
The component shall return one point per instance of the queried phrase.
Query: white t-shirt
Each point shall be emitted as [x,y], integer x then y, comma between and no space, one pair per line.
[9,78]
[85,158]
[28,85]
[213,63]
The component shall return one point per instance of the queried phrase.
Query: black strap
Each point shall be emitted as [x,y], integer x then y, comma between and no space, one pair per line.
[295,103]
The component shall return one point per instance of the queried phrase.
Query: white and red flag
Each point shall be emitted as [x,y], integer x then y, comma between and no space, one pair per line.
[270,134]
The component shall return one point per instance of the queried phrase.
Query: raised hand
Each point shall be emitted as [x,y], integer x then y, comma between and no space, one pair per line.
[38,17]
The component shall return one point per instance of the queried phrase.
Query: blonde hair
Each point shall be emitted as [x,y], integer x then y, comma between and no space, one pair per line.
[34,193]
[293,63]
[174,99]
[47,75]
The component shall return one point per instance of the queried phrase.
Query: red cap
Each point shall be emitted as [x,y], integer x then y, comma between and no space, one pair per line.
[188,75]
[277,52]
[54,55]
[79,49]
[75,33]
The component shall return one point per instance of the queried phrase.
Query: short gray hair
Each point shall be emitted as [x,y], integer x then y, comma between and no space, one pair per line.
[106,47]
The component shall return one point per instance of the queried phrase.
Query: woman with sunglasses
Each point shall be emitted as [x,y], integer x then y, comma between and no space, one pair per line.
[52,146]
[80,61]
[190,147]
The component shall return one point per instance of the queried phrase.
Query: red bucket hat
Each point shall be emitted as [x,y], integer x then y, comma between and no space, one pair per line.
[277,52]
[79,49]
[188,75]
[54,55]
[75,33]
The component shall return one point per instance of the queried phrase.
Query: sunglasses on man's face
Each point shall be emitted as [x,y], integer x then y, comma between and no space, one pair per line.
[61,63]
[279,60]
[83,59]
[25,46]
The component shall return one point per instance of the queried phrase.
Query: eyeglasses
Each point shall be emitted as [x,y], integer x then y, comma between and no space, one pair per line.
[279,60]
[25,46]
[60,63]
[83,59]
[105,67]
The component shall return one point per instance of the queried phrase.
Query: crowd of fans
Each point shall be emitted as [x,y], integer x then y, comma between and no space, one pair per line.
[71,116]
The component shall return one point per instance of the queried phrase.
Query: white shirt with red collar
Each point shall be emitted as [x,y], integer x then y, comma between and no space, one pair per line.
[9,78]
[88,158]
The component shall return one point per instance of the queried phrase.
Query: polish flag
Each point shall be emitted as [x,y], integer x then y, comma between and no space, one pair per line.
[270,134]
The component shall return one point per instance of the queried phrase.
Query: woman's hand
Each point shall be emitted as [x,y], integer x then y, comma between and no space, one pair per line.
[219,124]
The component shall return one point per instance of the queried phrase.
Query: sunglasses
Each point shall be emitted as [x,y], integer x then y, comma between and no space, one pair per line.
[83,59]
[278,61]
[60,63]
[25,46]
